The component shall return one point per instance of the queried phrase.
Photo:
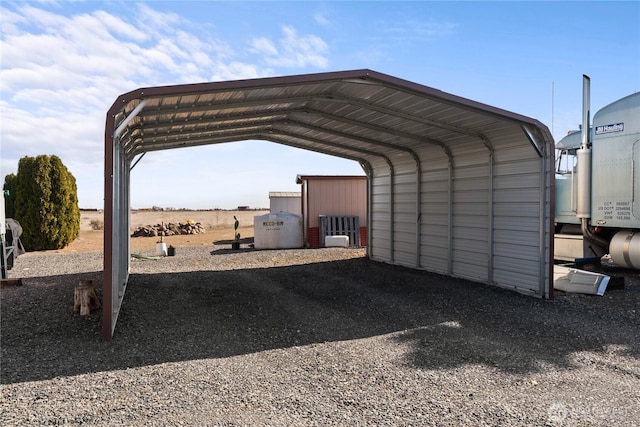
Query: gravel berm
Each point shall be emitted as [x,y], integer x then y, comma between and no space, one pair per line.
[315,337]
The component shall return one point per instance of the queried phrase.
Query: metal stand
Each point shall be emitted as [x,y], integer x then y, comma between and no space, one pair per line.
[8,253]
[4,259]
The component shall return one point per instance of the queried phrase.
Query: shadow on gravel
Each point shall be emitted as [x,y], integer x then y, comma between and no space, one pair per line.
[444,322]
[243,241]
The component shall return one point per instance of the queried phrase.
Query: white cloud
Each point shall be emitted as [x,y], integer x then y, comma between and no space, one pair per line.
[237,71]
[321,19]
[418,31]
[293,51]
[64,133]
[305,50]
[118,26]
[157,22]
[264,46]
[61,71]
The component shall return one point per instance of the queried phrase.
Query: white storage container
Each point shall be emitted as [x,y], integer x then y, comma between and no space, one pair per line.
[282,230]
[340,241]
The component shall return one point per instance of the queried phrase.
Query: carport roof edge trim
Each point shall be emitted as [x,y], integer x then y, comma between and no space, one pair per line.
[363,74]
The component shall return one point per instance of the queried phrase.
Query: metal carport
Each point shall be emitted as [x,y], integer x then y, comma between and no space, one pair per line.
[454,186]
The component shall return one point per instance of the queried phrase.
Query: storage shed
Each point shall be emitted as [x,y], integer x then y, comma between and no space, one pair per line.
[338,201]
[285,201]
[455,186]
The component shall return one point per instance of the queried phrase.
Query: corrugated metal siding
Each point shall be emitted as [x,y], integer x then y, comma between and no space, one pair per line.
[517,219]
[434,244]
[471,199]
[380,227]
[476,245]
[405,211]
[517,209]
[496,206]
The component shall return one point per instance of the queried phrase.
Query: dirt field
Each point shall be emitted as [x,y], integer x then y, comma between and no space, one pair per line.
[218,225]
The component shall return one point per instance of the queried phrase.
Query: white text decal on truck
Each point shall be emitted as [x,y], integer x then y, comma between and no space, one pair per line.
[612,128]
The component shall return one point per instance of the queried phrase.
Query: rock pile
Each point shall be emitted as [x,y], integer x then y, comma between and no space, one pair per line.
[170,229]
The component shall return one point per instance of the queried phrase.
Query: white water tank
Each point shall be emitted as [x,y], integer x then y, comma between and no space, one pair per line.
[282,230]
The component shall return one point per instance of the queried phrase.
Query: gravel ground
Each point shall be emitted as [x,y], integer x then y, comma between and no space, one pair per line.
[286,337]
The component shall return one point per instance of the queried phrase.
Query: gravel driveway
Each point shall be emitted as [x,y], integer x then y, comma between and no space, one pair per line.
[311,337]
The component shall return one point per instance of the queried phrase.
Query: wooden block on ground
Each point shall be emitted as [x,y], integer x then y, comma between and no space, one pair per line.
[5,283]
[85,298]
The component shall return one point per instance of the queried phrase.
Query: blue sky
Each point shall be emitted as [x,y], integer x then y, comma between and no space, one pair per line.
[62,65]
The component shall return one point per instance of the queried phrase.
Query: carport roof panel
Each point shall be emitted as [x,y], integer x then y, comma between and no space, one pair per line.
[362,107]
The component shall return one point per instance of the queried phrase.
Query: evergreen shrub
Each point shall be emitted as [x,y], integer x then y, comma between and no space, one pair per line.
[45,203]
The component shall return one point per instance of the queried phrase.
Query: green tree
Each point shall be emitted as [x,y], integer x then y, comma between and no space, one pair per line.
[9,200]
[46,203]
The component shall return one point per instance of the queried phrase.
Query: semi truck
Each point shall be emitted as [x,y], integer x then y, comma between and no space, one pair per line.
[597,185]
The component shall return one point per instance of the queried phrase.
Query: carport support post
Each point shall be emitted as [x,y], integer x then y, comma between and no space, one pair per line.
[107,273]
[490,224]
[392,199]
[547,226]
[418,210]
[450,217]
[116,165]
[366,167]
